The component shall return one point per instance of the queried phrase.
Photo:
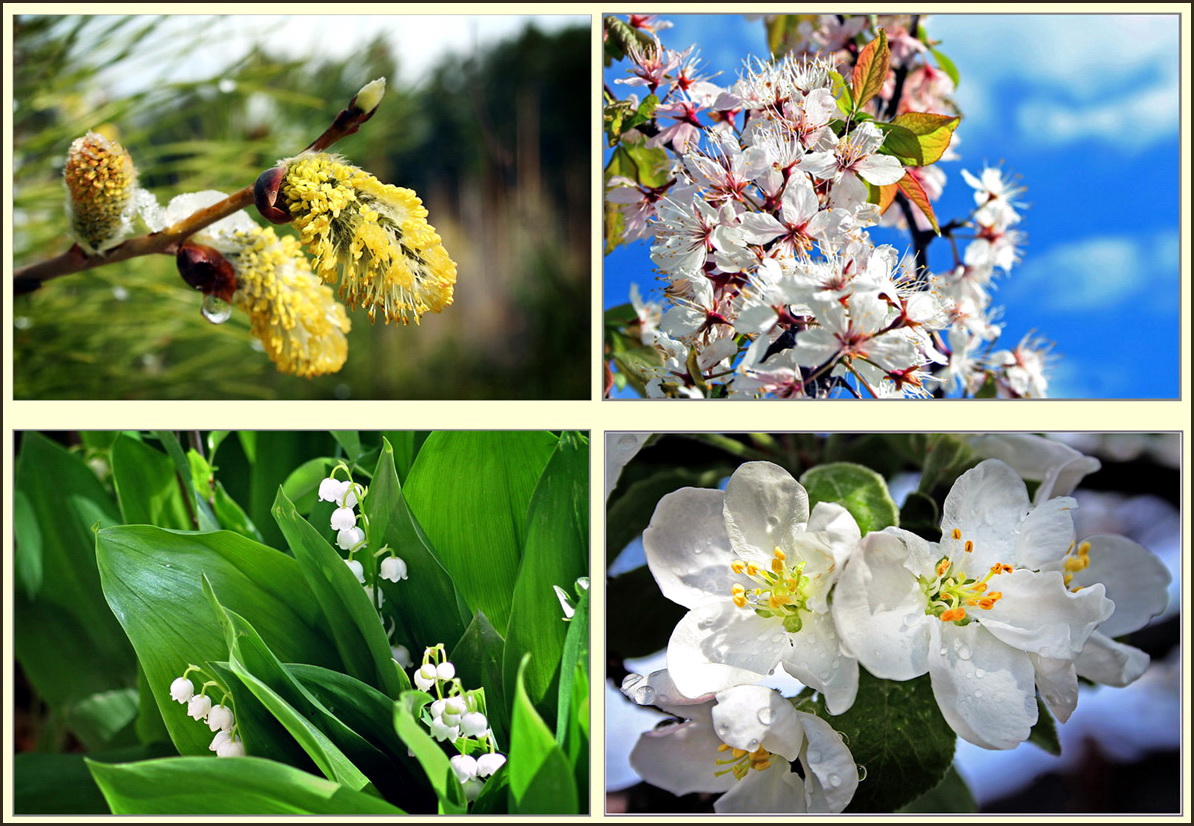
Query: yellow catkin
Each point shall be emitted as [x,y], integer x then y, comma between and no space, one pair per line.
[292,312]
[371,238]
[100,178]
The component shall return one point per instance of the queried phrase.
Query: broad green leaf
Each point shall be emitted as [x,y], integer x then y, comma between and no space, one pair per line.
[556,554]
[921,515]
[350,440]
[405,444]
[302,485]
[896,732]
[150,726]
[946,456]
[105,720]
[858,489]
[231,515]
[621,37]
[620,315]
[153,581]
[870,70]
[274,455]
[230,786]
[203,516]
[470,491]
[644,165]
[262,674]
[902,144]
[1044,731]
[639,619]
[574,656]
[359,705]
[66,640]
[428,752]
[60,784]
[478,660]
[932,132]
[843,96]
[946,65]
[27,560]
[356,628]
[540,777]
[914,192]
[147,489]
[638,365]
[422,605]
[951,795]
[780,28]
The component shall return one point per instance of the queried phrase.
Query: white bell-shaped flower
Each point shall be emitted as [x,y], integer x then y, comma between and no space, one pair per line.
[472,788]
[198,706]
[442,732]
[220,718]
[182,690]
[332,490]
[357,569]
[350,538]
[220,739]
[464,767]
[232,748]
[425,677]
[473,724]
[445,671]
[401,655]
[454,708]
[487,764]
[343,519]
[393,568]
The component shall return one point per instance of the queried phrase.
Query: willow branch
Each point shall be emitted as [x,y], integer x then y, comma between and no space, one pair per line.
[29,278]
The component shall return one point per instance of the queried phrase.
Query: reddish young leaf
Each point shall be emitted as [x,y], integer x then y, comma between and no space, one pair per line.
[887,195]
[914,192]
[871,70]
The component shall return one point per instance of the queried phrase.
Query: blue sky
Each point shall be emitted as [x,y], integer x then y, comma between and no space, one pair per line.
[1085,110]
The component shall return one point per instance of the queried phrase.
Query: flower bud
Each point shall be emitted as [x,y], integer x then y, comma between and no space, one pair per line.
[464,767]
[356,567]
[425,677]
[369,98]
[443,732]
[445,671]
[199,706]
[393,568]
[487,764]
[265,195]
[205,269]
[220,718]
[182,690]
[100,179]
[473,724]
[401,655]
[343,519]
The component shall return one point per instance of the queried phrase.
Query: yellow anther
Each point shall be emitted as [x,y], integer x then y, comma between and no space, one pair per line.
[777,565]
[1001,568]
[1068,578]
[739,600]
[738,754]
[952,614]
[969,546]
[723,747]
[737,566]
[792,584]
[778,554]
[751,569]
[737,589]
[957,533]
[942,567]
[1077,563]
[1084,548]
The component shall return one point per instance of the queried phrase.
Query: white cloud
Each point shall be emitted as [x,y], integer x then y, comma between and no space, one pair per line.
[1092,273]
[1132,122]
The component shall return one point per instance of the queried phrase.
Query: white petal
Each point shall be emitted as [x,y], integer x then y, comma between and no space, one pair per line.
[1135,580]
[764,509]
[986,504]
[879,610]
[1045,535]
[831,775]
[988,698]
[880,170]
[657,689]
[687,548]
[748,717]
[680,758]
[1057,466]
[759,228]
[1036,613]
[774,790]
[816,659]
[719,645]
[1057,682]
[1106,661]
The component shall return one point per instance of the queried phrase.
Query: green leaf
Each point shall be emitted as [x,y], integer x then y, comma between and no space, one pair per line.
[470,491]
[620,315]
[638,365]
[538,772]
[575,655]
[478,660]
[60,784]
[921,515]
[147,486]
[951,795]
[231,516]
[858,489]
[932,132]
[645,629]
[66,640]
[421,606]
[843,96]
[556,553]
[902,144]
[946,456]
[405,444]
[356,628]
[870,70]
[1044,731]
[896,732]
[152,579]
[946,65]
[620,37]
[350,440]
[231,786]
[27,560]
[182,466]
[104,720]
[274,454]
[428,752]
[910,186]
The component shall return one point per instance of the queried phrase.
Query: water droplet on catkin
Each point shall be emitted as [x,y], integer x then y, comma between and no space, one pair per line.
[215,309]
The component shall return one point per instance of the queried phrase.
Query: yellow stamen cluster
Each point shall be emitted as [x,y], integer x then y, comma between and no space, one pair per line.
[740,761]
[1076,560]
[951,592]
[100,178]
[292,312]
[374,235]
[782,591]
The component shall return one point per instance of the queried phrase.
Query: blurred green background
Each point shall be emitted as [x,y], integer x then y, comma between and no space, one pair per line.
[493,135]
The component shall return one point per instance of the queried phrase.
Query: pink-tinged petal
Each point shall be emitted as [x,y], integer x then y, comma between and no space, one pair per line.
[760,227]
[849,192]
[764,509]
[719,645]
[1135,578]
[816,659]
[748,717]
[1057,681]
[687,548]
[985,689]
[1045,535]
[1037,614]
[879,610]
[681,758]
[816,346]
[1106,661]
[821,165]
[800,202]
[879,170]
[831,775]
[775,790]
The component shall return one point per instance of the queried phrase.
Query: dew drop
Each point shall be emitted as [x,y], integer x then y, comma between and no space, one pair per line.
[723,727]
[978,692]
[861,772]
[834,780]
[706,622]
[752,744]
[662,698]
[979,673]
[644,696]
[773,520]
[215,309]
[963,652]
[943,651]
[765,716]
[777,637]
[630,681]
